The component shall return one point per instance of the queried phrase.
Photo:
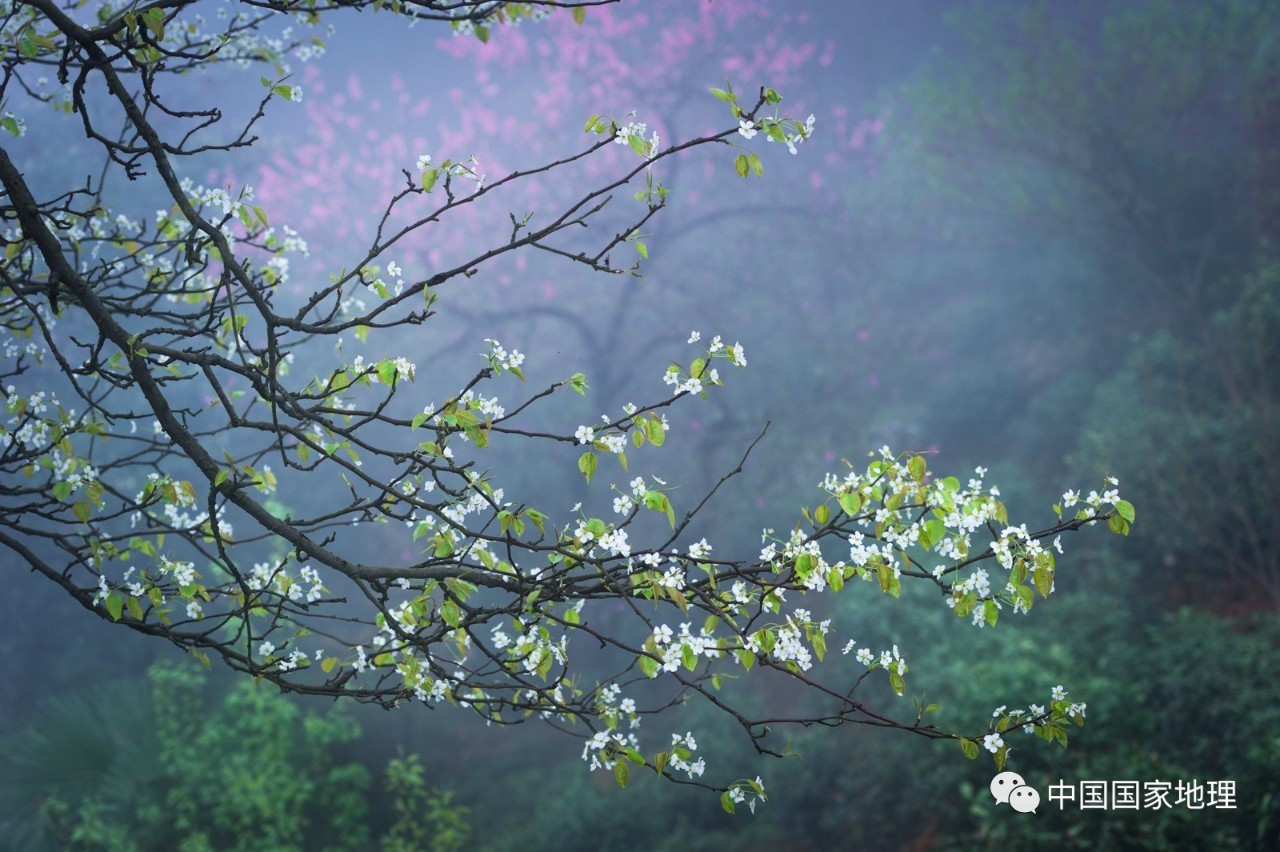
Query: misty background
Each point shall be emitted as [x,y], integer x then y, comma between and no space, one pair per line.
[1035,237]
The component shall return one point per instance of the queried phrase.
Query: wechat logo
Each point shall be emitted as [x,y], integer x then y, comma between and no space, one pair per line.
[1009,788]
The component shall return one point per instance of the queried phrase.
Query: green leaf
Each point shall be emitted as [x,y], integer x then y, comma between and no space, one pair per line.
[587,464]
[1043,580]
[1125,508]
[1118,525]
[579,14]
[82,511]
[538,518]
[658,501]
[154,18]
[723,95]
[756,165]
[821,515]
[726,802]
[450,613]
[916,468]
[642,250]
[654,431]
[835,579]
[115,606]
[897,683]
[741,166]
[992,612]
[387,371]
[884,574]
[135,607]
[1024,594]
[648,665]
[429,178]
[970,748]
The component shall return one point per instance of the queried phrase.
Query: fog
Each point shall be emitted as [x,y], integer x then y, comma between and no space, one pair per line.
[1037,239]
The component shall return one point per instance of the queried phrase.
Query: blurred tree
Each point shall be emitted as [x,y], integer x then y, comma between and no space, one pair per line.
[1218,722]
[1142,116]
[198,447]
[177,766]
[1169,414]
[1086,174]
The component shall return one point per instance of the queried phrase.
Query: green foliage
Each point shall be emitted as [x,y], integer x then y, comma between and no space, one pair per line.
[1211,718]
[1183,413]
[1173,696]
[273,784]
[70,779]
[179,767]
[425,819]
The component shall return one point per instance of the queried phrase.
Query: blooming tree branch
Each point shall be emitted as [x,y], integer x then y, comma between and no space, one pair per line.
[189,451]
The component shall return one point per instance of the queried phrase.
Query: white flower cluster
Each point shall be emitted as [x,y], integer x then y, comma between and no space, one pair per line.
[699,377]
[613,541]
[175,497]
[32,432]
[790,132]
[800,133]
[488,406]
[499,359]
[307,586]
[674,649]
[468,170]
[601,751]
[1095,501]
[613,707]
[789,640]
[376,285]
[891,660]
[751,792]
[682,748]
[1036,714]
[512,15]
[632,133]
